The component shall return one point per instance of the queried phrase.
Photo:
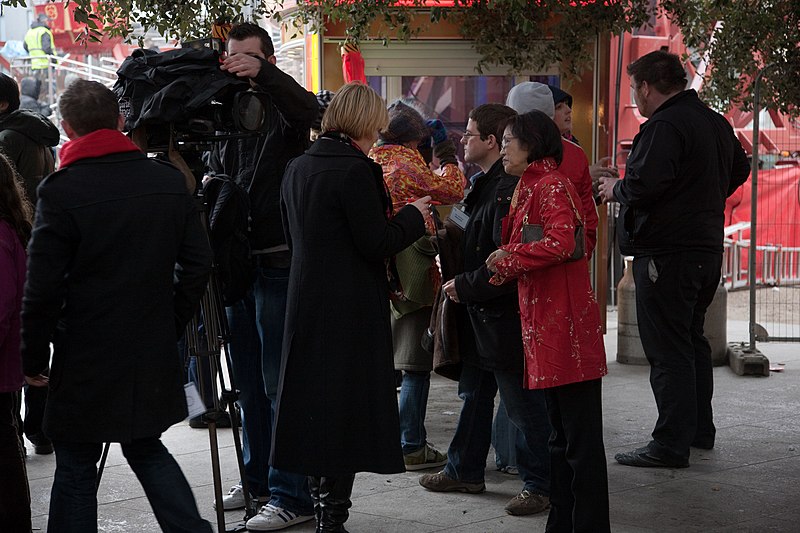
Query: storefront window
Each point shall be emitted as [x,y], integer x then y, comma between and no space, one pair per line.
[451,98]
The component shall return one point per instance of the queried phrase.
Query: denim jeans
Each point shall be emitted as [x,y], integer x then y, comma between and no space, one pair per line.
[527,409]
[73,499]
[413,405]
[256,325]
[504,438]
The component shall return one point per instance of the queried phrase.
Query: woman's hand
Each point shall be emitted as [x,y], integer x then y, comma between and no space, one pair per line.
[496,256]
[423,205]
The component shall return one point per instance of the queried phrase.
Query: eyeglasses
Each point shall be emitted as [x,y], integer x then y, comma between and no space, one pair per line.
[506,140]
[468,134]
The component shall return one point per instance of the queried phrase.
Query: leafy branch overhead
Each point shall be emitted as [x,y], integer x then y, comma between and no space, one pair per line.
[737,38]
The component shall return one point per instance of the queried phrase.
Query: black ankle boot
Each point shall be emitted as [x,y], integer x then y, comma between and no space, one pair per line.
[313,489]
[334,497]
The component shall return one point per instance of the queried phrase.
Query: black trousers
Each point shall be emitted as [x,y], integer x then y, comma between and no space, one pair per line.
[673,292]
[15,500]
[578,475]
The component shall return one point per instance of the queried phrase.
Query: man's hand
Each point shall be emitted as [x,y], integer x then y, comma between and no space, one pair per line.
[243,65]
[450,290]
[601,170]
[496,256]
[606,188]
[37,381]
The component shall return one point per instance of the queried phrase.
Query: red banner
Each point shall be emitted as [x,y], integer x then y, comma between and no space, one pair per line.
[65,29]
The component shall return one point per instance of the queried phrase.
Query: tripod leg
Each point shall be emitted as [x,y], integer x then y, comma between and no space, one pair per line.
[102,464]
[215,470]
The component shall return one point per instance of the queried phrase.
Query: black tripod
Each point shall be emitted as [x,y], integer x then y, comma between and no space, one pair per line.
[210,347]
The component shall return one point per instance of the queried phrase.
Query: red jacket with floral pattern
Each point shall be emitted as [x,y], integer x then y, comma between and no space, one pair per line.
[561,329]
[409,178]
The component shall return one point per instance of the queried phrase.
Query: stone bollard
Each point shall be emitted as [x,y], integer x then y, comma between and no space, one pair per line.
[629,344]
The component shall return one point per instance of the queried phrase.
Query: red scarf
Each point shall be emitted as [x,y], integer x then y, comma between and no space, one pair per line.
[95,144]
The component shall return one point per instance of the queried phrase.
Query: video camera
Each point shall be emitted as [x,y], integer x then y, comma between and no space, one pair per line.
[182,95]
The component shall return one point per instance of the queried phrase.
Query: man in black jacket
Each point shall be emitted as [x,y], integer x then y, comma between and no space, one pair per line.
[685,161]
[26,137]
[117,263]
[491,341]
[257,320]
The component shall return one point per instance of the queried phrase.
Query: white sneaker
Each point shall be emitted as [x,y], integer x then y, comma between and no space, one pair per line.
[271,518]
[233,500]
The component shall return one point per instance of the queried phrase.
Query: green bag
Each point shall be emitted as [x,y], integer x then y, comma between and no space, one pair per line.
[414,266]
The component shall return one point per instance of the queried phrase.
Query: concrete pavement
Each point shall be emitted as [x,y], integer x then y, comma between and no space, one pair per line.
[749,482]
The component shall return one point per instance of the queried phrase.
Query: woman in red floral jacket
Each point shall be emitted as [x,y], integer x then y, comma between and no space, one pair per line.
[561,332]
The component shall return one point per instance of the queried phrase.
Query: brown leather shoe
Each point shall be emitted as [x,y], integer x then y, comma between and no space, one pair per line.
[442,483]
[527,502]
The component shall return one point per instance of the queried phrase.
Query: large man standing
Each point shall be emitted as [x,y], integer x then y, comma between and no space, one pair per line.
[684,162]
[118,261]
[256,321]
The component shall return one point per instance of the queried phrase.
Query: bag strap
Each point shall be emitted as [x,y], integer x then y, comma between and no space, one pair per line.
[571,202]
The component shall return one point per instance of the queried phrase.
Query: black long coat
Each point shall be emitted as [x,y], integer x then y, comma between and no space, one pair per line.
[117,263]
[493,309]
[337,405]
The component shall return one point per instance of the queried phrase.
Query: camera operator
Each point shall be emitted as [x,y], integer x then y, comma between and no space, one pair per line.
[256,321]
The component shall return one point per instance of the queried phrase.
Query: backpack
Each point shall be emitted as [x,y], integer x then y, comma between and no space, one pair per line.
[228,215]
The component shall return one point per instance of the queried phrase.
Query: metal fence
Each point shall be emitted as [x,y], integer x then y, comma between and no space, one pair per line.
[772,264]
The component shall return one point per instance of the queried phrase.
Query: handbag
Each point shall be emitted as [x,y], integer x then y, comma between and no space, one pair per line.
[535,232]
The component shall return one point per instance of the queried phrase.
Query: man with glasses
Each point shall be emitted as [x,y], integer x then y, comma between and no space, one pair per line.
[490,341]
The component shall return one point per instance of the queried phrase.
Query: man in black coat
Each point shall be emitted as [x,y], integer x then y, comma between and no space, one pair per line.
[257,320]
[491,349]
[118,261]
[685,161]
[26,137]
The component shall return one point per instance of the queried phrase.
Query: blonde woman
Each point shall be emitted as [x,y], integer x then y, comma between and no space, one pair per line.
[337,409]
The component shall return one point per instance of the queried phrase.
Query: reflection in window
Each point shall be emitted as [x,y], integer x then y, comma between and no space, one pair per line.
[451,98]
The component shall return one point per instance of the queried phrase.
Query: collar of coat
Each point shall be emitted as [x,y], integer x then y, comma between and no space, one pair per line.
[95,144]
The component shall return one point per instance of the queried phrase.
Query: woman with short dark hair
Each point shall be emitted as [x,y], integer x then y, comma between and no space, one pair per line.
[561,333]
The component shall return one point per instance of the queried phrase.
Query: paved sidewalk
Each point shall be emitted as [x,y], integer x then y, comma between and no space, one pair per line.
[749,482]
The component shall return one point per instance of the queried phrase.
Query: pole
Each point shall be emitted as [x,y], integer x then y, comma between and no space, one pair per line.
[751,258]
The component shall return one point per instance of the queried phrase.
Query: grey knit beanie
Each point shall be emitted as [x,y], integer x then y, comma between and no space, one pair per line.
[405,125]
[530,96]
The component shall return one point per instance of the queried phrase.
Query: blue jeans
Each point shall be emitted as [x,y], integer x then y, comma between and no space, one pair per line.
[73,499]
[256,325]
[504,438]
[413,405]
[527,410]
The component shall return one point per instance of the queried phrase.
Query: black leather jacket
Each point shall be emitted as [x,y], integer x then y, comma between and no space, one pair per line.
[493,310]
[685,161]
[263,160]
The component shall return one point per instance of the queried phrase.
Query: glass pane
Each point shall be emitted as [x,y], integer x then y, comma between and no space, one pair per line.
[451,98]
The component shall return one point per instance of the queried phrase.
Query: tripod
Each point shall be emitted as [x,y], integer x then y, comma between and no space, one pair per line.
[210,348]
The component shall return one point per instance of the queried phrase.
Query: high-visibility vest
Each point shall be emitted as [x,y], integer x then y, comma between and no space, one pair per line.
[33,39]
